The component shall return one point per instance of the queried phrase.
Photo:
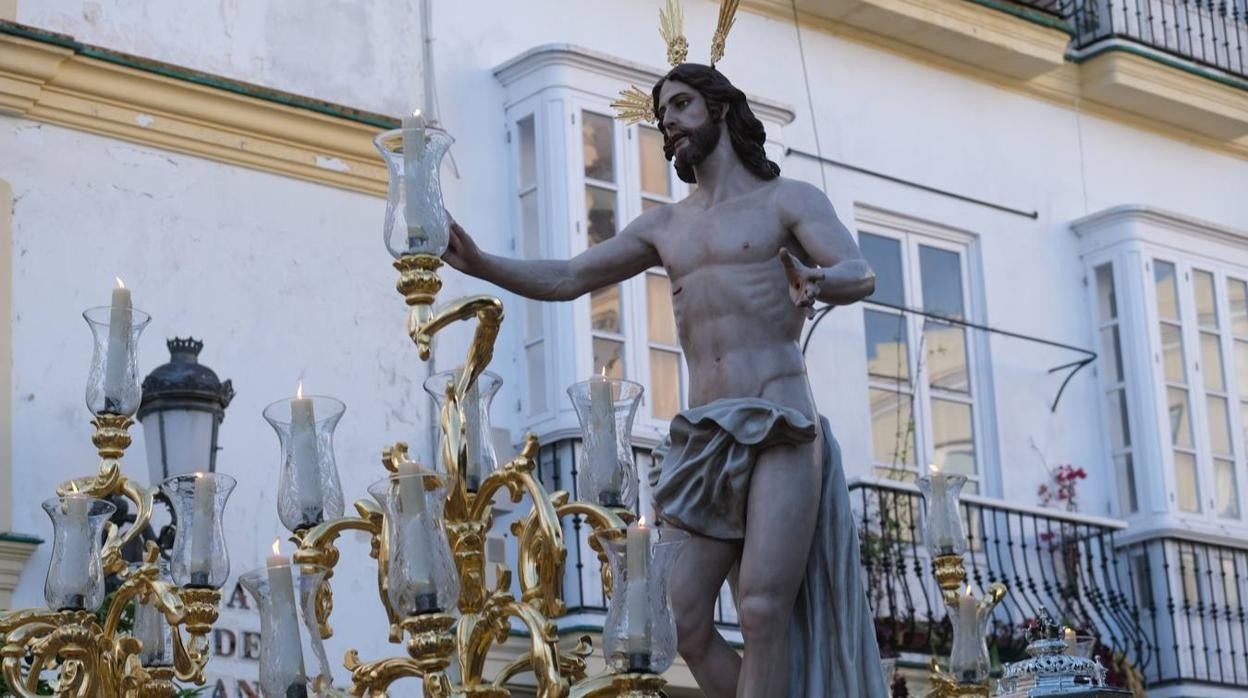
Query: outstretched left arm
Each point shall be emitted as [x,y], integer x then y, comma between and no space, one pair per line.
[843,275]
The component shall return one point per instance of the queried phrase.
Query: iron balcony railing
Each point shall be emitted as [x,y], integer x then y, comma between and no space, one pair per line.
[1211,33]
[1062,562]
[1191,598]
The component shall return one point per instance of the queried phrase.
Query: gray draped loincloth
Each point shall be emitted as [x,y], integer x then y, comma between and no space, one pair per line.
[701,483]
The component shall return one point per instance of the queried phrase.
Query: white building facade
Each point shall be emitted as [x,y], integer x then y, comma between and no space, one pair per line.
[1037,184]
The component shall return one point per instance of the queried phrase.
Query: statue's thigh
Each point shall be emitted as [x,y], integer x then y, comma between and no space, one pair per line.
[699,574]
[780,521]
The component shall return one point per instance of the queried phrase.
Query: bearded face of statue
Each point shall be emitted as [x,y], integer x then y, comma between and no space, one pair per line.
[690,129]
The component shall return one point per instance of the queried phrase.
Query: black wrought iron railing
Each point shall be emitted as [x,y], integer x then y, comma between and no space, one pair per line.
[1192,599]
[1064,563]
[1211,33]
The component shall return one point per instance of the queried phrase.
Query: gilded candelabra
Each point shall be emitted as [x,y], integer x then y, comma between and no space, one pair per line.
[946,540]
[436,638]
[93,658]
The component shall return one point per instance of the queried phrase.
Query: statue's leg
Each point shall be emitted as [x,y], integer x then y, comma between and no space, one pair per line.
[783,509]
[696,579]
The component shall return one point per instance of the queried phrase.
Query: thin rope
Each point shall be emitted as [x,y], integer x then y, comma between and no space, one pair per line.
[810,100]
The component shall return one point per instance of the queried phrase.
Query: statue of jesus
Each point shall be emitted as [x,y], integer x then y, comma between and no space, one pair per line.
[752,471]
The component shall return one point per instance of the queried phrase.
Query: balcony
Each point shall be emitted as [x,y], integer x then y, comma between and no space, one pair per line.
[1173,608]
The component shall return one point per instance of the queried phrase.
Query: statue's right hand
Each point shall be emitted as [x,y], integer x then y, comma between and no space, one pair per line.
[461,252]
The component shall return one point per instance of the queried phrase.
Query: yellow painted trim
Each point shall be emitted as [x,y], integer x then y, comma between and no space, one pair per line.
[1135,83]
[56,85]
[1063,86]
[13,557]
[8,9]
[6,357]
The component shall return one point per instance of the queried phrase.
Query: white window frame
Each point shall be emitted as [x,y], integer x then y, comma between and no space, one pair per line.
[1185,265]
[912,233]
[635,332]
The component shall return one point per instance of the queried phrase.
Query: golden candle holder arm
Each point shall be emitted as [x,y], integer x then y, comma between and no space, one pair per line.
[477,633]
[621,686]
[109,482]
[316,547]
[572,664]
[600,519]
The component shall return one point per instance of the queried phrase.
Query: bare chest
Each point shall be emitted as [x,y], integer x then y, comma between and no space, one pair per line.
[743,232]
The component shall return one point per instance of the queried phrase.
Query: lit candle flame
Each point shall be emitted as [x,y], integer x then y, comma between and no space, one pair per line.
[604,371]
[968,592]
[416,113]
[277,546]
[641,522]
[935,469]
[299,391]
[119,283]
[73,487]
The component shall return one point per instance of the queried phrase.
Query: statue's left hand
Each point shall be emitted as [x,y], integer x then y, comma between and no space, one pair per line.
[803,281]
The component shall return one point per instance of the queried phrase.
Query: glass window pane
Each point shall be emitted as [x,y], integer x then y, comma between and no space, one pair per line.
[597,135]
[884,255]
[664,383]
[530,228]
[605,310]
[533,319]
[1206,304]
[1172,353]
[1180,417]
[1211,362]
[660,316]
[946,356]
[535,364]
[528,152]
[647,204]
[1226,489]
[1219,425]
[941,274]
[1119,426]
[1106,299]
[600,210]
[1191,578]
[654,167]
[1111,354]
[1241,367]
[886,345]
[1243,422]
[609,354]
[1237,291]
[1167,290]
[892,428]
[1185,477]
[953,441]
[1125,470]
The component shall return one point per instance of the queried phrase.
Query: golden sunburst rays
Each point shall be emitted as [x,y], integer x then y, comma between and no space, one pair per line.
[727,16]
[634,106]
[671,26]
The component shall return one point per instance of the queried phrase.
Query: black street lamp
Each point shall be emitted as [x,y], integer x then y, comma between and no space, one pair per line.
[182,408]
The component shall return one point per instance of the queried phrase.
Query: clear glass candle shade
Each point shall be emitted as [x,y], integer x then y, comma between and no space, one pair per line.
[293,661]
[478,430]
[113,382]
[76,572]
[420,571]
[152,630]
[309,491]
[639,632]
[416,221]
[199,557]
[942,525]
[969,662]
[606,408]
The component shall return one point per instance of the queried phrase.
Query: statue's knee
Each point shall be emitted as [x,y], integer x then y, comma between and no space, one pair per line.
[762,616]
[693,636]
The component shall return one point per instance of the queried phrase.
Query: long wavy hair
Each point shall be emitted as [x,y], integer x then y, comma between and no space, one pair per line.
[745,131]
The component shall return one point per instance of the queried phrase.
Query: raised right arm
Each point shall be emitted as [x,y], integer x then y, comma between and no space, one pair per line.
[609,262]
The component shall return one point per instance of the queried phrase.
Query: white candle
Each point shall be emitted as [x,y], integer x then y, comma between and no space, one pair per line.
[637,556]
[283,618]
[415,530]
[1068,636]
[307,458]
[965,649]
[117,358]
[472,433]
[413,152]
[201,531]
[602,455]
[76,571]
